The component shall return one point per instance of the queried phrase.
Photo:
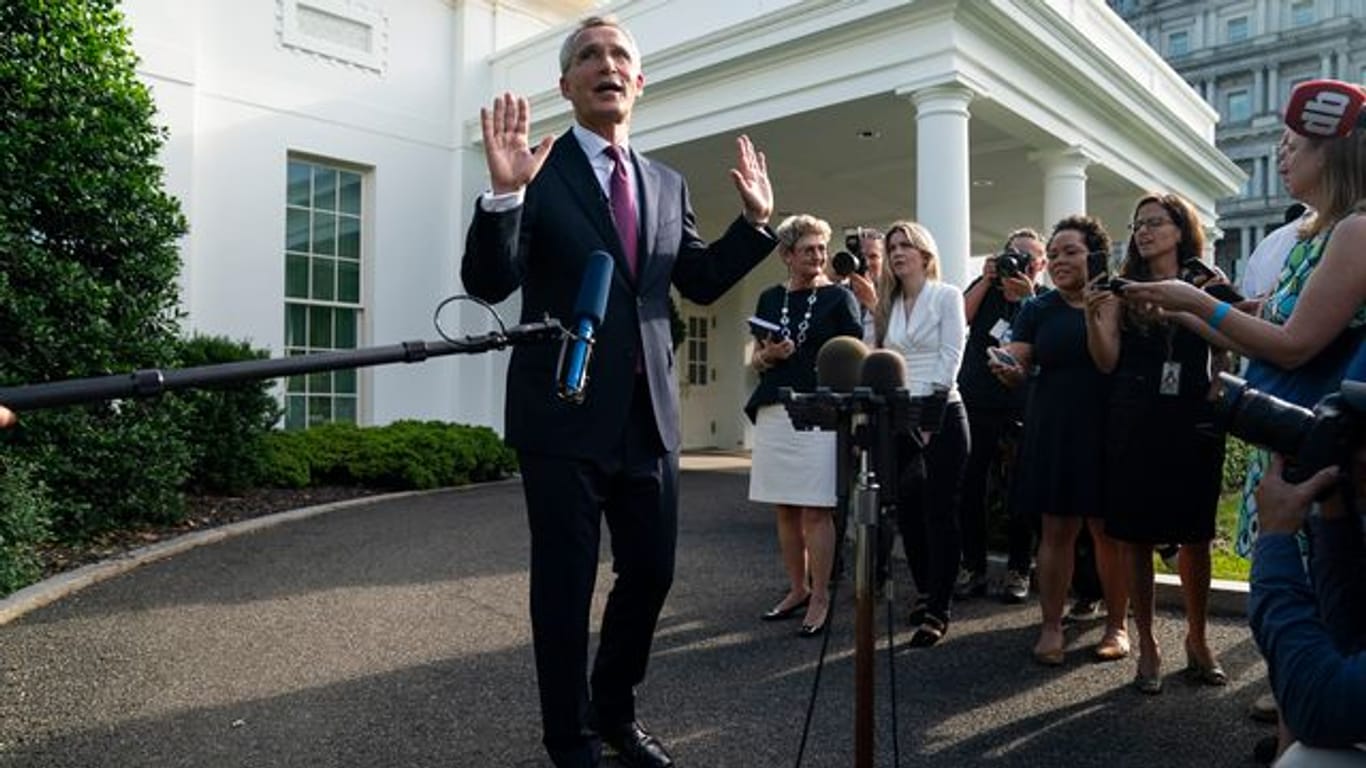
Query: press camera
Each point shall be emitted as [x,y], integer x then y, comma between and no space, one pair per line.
[1011,263]
[851,259]
[1310,440]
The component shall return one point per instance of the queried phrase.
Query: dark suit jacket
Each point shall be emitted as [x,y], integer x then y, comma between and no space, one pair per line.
[543,247]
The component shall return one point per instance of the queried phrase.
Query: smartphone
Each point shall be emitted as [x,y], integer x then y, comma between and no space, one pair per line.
[1116,284]
[1002,357]
[1097,265]
[1197,273]
[764,329]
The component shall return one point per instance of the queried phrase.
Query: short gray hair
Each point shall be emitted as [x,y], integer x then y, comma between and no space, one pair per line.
[796,227]
[572,39]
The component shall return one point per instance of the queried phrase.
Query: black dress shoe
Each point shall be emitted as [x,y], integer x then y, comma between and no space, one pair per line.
[811,630]
[635,747]
[778,614]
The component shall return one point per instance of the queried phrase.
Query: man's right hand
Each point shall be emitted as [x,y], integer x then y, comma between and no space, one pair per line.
[511,160]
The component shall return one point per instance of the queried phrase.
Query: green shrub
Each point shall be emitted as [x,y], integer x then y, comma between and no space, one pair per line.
[1236,453]
[226,426]
[24,524]
[89,243]
[403,455]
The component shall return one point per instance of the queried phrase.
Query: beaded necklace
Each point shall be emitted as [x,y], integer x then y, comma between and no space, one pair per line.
[805,324]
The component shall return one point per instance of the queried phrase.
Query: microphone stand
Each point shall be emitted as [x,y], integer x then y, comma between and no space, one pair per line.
[151,382]
[865,513]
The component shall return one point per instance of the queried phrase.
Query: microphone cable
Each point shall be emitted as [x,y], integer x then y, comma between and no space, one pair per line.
[825,646]
[436,315]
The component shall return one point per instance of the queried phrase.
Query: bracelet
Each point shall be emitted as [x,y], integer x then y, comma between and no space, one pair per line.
[1220,312]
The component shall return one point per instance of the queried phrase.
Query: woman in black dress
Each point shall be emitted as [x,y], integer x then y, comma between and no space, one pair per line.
[1163,460]
[1060,480]
[795,470]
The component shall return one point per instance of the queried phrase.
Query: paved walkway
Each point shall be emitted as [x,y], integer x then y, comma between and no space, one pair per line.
[394,633]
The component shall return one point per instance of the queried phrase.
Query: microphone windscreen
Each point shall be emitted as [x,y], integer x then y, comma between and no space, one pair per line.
[884,371]
[839,362]
[1325,109]
[596,285]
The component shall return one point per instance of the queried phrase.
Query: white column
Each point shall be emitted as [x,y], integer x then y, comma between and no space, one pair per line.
[1064,183]
[1258,91]
[942,199]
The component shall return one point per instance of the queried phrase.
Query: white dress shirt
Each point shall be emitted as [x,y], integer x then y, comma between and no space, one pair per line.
[931,339]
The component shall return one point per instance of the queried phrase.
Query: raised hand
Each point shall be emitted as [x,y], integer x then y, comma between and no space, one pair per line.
[512,162]
[751,180]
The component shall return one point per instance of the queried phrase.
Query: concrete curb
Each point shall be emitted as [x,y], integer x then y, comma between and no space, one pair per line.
[37,595]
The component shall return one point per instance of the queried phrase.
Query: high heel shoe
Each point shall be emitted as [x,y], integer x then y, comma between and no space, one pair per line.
[779,613]
[1204,673]
[1148,683]
[1113,647]
[814,630]
[1050,657]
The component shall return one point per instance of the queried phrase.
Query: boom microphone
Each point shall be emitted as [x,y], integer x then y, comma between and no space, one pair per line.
[1326,109]
[591,305]
[839,362]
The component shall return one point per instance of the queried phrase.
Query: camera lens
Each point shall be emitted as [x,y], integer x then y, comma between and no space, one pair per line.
[1261,419]
[844,263]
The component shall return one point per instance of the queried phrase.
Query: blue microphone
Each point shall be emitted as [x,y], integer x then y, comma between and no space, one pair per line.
[591,305]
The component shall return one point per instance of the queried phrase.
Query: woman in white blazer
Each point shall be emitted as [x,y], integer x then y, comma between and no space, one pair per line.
[922,319]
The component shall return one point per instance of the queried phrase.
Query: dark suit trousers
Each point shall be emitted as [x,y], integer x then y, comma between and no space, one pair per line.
[636,490]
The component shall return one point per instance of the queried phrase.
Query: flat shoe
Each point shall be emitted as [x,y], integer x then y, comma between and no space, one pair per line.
[778,614]
[1053,658]
[930,632]
[1112,648]
[811,630]
[1212,675]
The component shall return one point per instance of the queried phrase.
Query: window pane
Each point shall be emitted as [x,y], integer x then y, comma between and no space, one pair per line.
[345,409]
[300,192]
[324,234]
[296,325]
[320,327]
[295,413]
[344,381]
[348,237]
[348,281]
[295,384]
[346,329]
[319,411]
[325,189]
[296,277]
[324,279]
[1239,106]
[350,193]
[320,383]
[1237,29]
[296,230]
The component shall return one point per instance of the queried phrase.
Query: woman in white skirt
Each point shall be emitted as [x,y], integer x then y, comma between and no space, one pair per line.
[795,470]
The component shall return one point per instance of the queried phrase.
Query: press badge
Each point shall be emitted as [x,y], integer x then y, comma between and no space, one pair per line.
[1000,331]
[1171,379]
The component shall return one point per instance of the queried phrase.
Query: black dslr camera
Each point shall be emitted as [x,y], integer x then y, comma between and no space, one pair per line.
[1310,440]
[1010,263]
[851,259]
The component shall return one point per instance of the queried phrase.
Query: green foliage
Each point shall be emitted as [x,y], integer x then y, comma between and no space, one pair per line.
[226,426]
[88,241]
[1236,455]
[24,524]
[402,455]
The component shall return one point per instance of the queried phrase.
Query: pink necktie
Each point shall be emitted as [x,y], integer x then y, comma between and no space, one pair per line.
[623,207]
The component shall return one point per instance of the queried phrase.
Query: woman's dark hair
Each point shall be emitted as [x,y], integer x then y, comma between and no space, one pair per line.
[1183,215]
[1092,231]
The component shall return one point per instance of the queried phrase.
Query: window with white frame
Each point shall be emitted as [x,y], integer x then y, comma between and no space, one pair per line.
[1179,43]
[1248,167]
[1301,13]
[697,350]
[1236,30]
[1238,106]
[322,287]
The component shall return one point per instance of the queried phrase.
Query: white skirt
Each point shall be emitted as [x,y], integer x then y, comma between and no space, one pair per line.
[790,466]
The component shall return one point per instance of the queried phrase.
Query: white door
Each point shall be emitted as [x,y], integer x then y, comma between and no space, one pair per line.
[697,358]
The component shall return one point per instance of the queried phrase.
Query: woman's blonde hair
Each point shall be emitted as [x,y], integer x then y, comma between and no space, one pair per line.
[1343,183]
[889,288]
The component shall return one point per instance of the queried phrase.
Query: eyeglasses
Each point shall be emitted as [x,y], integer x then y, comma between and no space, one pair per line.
[1152,223]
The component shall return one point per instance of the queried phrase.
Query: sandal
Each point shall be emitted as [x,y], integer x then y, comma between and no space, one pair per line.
[1113,647]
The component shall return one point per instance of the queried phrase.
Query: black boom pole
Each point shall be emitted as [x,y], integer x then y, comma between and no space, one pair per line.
[151,382]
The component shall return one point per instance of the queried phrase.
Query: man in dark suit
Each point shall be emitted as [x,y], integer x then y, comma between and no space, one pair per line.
[615,455]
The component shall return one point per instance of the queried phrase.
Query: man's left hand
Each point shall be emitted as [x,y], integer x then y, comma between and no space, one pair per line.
[1281,506]
[1017,288]
[863,290]
[751,180]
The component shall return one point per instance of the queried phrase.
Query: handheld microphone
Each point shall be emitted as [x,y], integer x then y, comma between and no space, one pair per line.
[838,363]
[1326,109]
[577,350]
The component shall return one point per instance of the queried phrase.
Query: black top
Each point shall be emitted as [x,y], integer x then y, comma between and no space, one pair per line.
[835,313]
[979,387]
